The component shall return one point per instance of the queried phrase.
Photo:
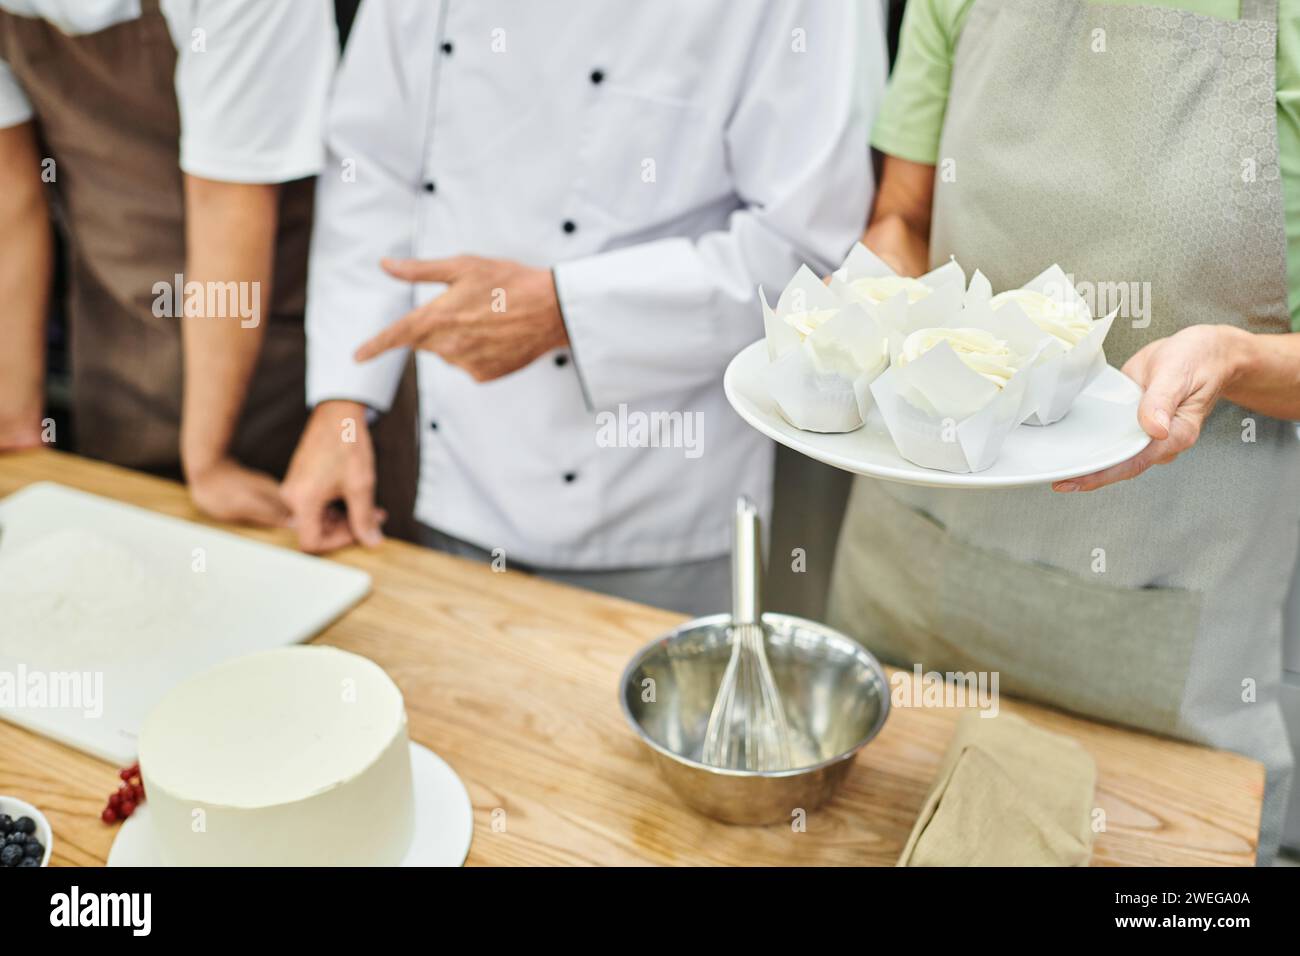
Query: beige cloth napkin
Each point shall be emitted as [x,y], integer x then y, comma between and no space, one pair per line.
[1008,794]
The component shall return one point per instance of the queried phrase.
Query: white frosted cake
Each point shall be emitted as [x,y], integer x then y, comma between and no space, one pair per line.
[291,757]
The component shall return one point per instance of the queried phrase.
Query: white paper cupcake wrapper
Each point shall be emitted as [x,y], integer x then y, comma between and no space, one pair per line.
[943,414]
[816,381]
[1059,374]
[813,401]
[944,442]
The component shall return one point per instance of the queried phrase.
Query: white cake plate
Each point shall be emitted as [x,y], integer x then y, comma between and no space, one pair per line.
[1101,430]
[444,820]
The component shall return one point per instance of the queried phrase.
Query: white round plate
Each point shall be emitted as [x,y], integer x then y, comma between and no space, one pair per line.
[1101,430]
[444,820]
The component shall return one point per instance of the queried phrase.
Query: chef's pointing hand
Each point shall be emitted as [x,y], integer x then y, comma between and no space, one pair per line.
[1183,376]
[494,318]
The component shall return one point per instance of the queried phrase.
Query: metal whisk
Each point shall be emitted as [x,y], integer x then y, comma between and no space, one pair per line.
[747,726]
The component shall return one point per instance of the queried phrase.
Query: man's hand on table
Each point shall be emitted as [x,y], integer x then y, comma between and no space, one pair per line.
[494,318]
[334,463]
[227,491]
[1182,377]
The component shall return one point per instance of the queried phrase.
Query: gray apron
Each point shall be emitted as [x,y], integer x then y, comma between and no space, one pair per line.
[1145,153]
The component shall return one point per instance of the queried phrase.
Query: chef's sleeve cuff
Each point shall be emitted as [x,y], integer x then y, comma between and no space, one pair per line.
[373,384]
[581,288]
[573,353]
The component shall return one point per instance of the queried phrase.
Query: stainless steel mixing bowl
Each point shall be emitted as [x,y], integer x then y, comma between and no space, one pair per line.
[836,699]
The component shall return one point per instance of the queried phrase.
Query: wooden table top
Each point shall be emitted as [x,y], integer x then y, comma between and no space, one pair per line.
[513,681]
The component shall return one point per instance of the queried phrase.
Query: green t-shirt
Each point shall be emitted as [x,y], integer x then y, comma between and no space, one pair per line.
[911,118]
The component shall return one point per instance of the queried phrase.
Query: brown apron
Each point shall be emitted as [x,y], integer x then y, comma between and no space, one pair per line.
[106,113]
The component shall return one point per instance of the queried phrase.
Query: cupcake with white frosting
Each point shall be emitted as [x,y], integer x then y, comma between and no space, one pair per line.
[1068,322]
[979,350]
[899,304]
[955,391]
[1050,310]
[877,289]
[823,355]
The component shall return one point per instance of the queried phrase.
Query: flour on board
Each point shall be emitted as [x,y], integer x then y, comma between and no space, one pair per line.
[73,599]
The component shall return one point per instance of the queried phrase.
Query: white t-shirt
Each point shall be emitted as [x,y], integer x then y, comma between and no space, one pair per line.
[252,79]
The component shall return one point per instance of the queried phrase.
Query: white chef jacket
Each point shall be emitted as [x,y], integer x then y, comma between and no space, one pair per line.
[252,79]
[665,159]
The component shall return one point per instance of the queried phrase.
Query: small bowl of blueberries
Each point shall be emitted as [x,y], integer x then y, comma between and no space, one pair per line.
[25,835]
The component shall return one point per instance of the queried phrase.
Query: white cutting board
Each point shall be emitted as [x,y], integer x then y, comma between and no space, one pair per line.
[95,593]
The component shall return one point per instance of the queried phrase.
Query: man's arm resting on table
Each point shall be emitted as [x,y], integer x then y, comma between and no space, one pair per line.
[230,233]
[26,256]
